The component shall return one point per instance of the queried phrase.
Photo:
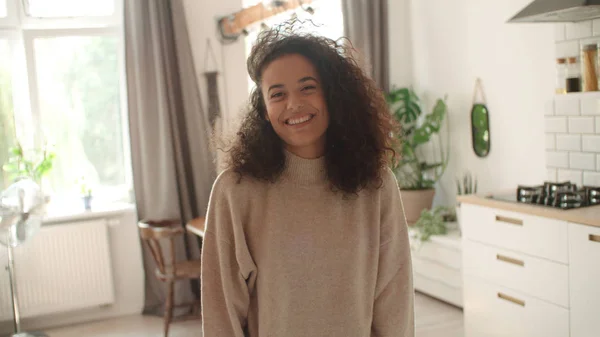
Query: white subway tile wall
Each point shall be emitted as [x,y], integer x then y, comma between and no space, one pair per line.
[583,161]
[551,174]
[591,178]
[581,125]
[567,49]
[556,124]
[568,142]
[566,105]
[550,141]
[596,28]
[555,159]
[572,121]
[579,30]
[590,105]
[574,176]
[590,143]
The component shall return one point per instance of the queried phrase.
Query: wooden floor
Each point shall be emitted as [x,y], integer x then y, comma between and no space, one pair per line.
[433,319]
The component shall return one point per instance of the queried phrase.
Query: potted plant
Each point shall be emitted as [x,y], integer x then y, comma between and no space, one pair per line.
[415,174]
[464,186]
[35,164]
[86,193]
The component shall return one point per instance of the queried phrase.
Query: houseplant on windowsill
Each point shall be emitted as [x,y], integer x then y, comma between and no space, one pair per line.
[35,164]
[86,193]
[416,174]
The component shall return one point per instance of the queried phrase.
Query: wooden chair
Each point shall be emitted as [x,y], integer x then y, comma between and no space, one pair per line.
[152,232]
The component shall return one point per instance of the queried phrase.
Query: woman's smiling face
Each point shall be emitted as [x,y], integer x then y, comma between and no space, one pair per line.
[295,104]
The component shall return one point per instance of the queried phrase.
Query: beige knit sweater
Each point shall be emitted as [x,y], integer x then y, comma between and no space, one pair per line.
[294,259]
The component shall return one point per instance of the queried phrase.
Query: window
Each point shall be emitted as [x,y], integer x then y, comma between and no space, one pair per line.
[327,17]
[62,84]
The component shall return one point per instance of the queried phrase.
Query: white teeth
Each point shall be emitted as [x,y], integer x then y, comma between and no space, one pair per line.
[299,120]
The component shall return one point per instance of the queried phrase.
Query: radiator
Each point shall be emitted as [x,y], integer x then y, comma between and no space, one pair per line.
[65,267]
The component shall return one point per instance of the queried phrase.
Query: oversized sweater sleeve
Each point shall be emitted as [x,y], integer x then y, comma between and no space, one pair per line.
[226,265]
[393,311]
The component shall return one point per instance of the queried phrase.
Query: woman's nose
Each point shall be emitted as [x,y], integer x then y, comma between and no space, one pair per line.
[294,102]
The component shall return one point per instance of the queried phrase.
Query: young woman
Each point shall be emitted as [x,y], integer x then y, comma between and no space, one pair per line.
[305,232]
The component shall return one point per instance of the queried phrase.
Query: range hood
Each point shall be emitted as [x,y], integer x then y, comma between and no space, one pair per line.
[558,11]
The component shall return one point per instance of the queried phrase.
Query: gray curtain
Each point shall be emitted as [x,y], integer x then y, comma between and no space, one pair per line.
[173,166]
[366,25]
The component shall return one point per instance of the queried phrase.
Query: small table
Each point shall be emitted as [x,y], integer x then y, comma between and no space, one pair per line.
[196,226]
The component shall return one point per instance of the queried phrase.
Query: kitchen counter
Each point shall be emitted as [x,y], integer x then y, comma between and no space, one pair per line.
[586,215]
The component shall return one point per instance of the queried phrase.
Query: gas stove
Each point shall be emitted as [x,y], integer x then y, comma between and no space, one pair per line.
[563,195]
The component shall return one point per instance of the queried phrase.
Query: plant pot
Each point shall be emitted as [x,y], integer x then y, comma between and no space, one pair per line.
[87,202]
[415,201]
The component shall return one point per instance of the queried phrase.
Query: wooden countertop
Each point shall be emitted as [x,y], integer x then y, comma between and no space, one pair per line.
[586,215]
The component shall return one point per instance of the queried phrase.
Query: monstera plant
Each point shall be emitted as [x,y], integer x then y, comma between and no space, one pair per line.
[416,174]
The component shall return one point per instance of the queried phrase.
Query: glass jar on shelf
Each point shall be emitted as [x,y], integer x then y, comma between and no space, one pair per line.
[590,64]
[573,75]
[561,75]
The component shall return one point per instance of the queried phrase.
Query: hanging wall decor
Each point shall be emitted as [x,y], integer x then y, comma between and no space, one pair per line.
[212,86]
[480,122]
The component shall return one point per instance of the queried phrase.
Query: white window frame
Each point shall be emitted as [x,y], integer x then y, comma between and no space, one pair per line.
[22,30]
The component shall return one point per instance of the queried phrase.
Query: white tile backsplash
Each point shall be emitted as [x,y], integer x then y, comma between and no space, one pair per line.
[590,143]
[551,174]
[591,178]
[578,30]
[595,28]
[581,125]
[590,105]
[550,141]
[556,124]
[566,105]
[572,121]
[560,32]
[568,142]
[567,49]
[582,161]
[557,159]
[574,176]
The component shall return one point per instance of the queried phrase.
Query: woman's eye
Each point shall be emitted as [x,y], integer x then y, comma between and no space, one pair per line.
[309,87]
[277,95]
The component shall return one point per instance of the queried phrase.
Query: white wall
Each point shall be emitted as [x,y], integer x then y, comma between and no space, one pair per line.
[453,43]
[202,19]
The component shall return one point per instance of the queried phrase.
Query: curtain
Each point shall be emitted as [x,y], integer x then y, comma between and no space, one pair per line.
[173,166]
[366,25]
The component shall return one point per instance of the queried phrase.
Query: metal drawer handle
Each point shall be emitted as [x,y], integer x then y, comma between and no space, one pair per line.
[510,260]
[509,220]
[595,238]
[511,299]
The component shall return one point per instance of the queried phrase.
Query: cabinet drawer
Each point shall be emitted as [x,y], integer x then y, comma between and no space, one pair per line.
[584,269]
[536,277]
[494,311]
[537,236]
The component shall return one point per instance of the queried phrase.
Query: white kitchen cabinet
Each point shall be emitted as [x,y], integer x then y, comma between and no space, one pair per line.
[492,310]
[584,271]
[540,278]
[530,234]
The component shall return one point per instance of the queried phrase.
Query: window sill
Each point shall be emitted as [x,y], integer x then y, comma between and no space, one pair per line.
[59,213]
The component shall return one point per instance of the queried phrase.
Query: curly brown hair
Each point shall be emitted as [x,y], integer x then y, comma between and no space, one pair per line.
[360,139]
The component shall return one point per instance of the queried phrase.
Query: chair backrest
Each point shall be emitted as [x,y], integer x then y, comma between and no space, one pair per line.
[152,232]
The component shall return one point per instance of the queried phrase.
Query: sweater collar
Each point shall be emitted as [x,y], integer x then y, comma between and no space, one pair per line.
[305,171]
